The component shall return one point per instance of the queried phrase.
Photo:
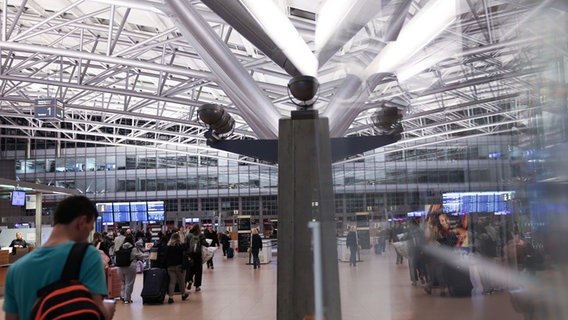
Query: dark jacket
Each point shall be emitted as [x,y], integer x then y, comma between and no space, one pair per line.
[161,245]
[352,239]
[256,242]
[174,255]
[17,242]
[225,240]
[213,236]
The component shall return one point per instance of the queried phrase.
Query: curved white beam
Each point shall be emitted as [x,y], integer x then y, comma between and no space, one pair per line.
[257,110]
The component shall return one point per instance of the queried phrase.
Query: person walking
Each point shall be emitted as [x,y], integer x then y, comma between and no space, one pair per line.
[225,242]
[194,241]
[174,258]
[352,245]
[211,235]
[256,246]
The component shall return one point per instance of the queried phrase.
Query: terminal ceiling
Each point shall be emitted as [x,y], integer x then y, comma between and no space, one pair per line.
[134,72]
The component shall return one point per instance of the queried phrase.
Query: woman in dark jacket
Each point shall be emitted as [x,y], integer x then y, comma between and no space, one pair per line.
[174,256]
[256,246]
[195,271]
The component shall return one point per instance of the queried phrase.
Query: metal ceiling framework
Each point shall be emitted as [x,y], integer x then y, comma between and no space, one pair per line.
[129,75]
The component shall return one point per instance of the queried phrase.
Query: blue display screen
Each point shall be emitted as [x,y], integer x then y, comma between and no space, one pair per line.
[121,211]
[18,198]
[107,218]
[156,215]
[138,211]
[459,203]
[155,206]
[156,211]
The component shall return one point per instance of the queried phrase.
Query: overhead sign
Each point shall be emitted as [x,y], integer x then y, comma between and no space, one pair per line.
[49,109]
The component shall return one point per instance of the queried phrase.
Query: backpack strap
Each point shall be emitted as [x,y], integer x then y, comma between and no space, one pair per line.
[72,268]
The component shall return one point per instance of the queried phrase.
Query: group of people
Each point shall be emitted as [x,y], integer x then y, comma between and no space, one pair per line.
[74,221]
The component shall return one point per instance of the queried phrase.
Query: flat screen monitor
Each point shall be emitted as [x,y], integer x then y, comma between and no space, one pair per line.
[138,211]
[108,219]
[121,211]
[460,203]
[156,211]
[155,206]
[18,198]
[156,216]
[104,207]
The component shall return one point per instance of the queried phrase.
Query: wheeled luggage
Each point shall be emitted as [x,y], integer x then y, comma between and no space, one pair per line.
[114,283]
[458,281]
[230,253]
[155,286]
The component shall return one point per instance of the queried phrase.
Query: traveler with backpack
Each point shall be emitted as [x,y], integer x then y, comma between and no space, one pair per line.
[194,241]
[126,259]
[74,219]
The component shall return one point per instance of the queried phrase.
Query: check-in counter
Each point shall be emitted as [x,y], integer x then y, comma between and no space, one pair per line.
[4,264]
[6,260]
[265,255]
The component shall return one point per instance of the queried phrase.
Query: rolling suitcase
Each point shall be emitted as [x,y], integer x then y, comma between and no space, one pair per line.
[458,281]
[155,286]
[114,283]
[230,253]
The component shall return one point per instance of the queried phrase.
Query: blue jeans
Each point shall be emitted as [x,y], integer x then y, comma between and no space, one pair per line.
[353,257]
[255,258]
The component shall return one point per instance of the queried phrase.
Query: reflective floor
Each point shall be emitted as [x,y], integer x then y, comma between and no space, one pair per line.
[376,289]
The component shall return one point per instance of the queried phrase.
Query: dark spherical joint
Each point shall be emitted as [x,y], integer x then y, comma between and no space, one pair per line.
[216,118]
[304,89]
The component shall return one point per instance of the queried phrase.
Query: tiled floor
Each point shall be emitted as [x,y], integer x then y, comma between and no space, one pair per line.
[376,289]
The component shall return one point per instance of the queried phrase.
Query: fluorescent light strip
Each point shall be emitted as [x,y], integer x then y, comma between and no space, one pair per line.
[279,28]
[331,12]
[427,24]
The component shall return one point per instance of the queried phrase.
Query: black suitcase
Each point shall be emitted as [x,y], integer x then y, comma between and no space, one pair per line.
[458,281]
[230,253]
[155,286]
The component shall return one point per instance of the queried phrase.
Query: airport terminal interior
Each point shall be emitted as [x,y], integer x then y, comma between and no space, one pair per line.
[303,119]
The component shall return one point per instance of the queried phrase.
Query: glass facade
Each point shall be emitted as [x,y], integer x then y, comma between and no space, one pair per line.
[387,182]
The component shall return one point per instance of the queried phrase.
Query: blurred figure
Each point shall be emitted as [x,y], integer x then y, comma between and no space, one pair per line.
[256,246]
[160,246]
[211,235]
[225,242]
[398,235]
[352,245]
[416,241]
[19,242]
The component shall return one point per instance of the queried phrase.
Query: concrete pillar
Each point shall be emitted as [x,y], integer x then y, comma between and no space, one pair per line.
[38,211]
[305,192]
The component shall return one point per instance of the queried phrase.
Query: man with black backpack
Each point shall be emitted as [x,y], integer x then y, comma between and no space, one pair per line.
[74,220]
[194,241]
